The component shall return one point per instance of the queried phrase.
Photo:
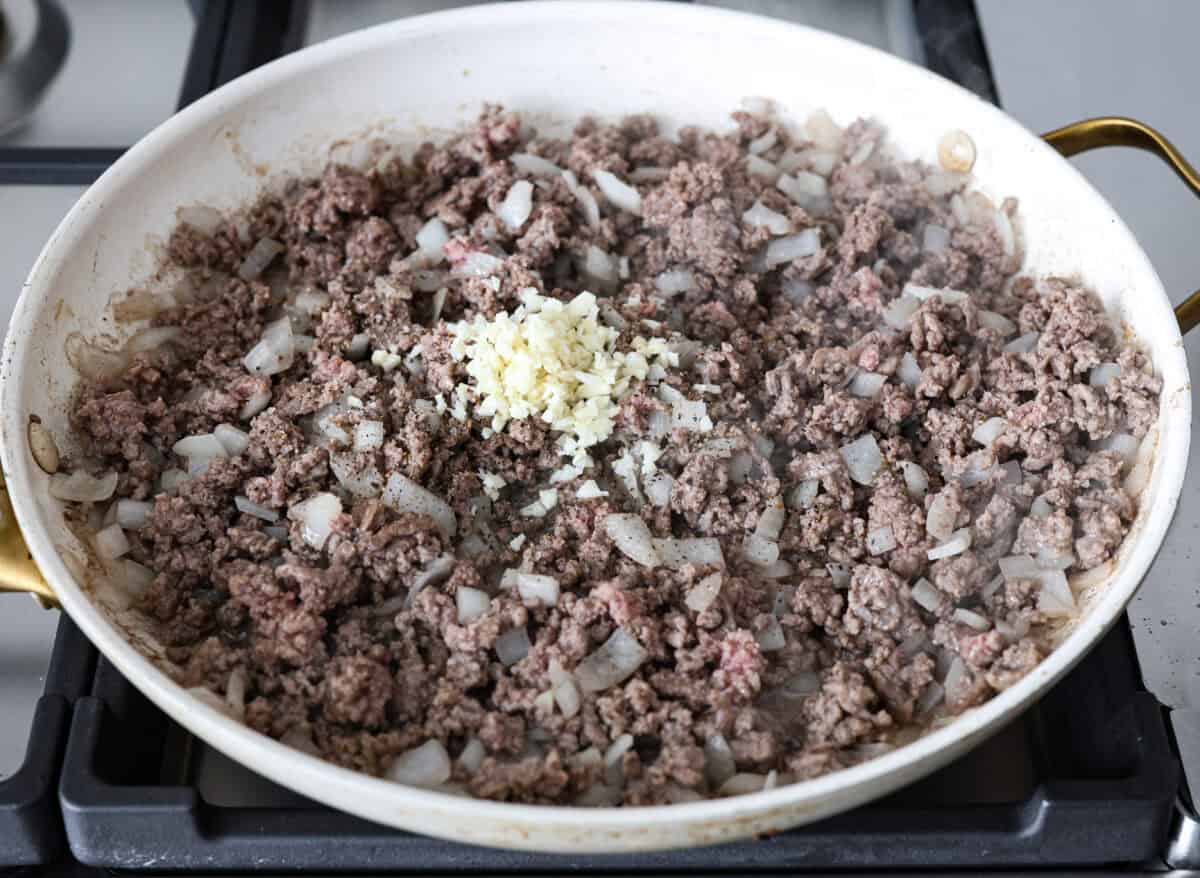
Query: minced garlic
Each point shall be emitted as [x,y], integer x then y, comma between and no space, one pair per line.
[556,361]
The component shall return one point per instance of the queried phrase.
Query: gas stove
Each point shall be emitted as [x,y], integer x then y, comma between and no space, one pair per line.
[93,777]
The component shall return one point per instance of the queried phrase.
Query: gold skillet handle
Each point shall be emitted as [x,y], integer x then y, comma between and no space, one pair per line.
[17,570]
[1119,131]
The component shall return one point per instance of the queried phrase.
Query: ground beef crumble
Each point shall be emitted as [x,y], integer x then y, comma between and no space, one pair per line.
[798,665]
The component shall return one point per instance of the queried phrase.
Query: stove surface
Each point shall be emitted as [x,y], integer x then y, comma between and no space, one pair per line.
[111,91]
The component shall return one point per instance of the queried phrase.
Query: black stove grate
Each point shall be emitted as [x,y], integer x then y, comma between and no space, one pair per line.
[1087,777]
[31,827]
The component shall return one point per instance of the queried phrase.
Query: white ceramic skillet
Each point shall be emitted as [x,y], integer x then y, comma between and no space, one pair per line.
[418,77]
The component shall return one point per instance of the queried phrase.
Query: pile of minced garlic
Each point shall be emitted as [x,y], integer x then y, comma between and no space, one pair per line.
[552,360]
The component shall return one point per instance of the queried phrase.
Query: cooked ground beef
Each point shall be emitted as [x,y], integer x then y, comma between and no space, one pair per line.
[824,638]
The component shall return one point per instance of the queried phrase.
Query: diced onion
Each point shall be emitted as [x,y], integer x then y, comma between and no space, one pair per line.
[998,322]
[957,543]
[566,694]
[476,263]
[804,494]
[719,764]
[1004,231]
[742,784]
[171,479]
[949,296]
[1012,472]
[649,174]
[1055,598]
[537,587]
[759,215]
[989,431]
[1139,473]
[1019,567]
[235,692]
[957,677]
[619,193]
[1103,373]
[866,385]
[840,574]
[798,246]
[1022,344]
[691,415]
[771,520]
[760,551]
[472,755]
[898,314]
[94,362]
[863,459]
[134,578]
[203,446]
[368,436]
[632,537]
[316,516]
[583,195]
[534,165]
[823,131]
[471,603]
[359,479]
[512,646]
[431,238]
[759,167]
[209,699]
[779,570]
[940,519]
[926,595]
[404,495]
[658,489]
[600,266]
[133,514]
[260,256]
[244,505]
[971,619]
[796,290]
[808,190]
[1047,561]
[770,638]
[275,352]
[255,403]
[312,302]
[1122,443]
[673,552]
[761,144]
[935,238]
[676,281]
[517,205]
[200,217]
[153,338]
[589,490]
[880,540]
[111,542]
[614,662]
[232,439]
[424,766]
[916,481]
[703,593]
[910,371]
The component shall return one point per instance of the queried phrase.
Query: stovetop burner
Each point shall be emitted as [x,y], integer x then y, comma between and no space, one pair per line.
[1089,777]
